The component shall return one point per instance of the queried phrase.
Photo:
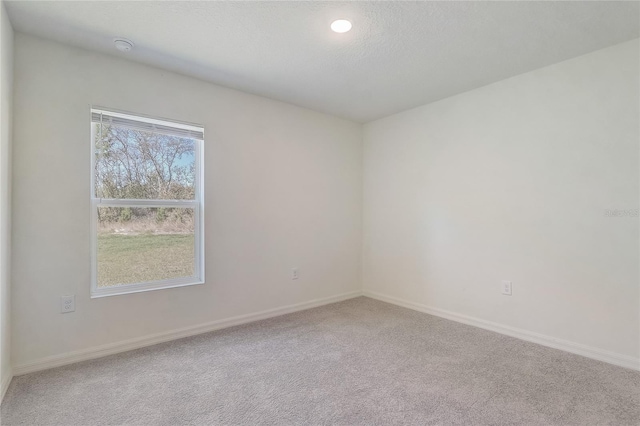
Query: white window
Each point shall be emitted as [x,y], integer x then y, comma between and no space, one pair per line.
[146,203]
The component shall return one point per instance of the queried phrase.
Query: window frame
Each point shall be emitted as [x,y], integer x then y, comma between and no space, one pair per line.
[197,204]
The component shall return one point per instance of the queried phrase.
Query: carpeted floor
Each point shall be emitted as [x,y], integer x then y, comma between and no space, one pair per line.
[359,362]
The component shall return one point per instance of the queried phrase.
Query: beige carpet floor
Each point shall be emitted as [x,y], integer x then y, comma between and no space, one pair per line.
[358,362]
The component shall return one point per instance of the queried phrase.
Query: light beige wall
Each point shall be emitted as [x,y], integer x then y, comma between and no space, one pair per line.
[512,181]
[282,189]
[6,91]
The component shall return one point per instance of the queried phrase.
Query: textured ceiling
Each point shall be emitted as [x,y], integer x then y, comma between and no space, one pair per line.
[398,54]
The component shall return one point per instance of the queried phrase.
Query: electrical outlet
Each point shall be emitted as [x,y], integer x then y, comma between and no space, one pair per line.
[295,273]
[506,288]
[67,304]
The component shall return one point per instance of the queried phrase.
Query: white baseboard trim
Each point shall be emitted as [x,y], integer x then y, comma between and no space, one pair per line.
[154,339]
[552,342]
[4,385]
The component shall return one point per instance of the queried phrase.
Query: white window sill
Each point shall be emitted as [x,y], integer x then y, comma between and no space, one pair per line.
[118,290]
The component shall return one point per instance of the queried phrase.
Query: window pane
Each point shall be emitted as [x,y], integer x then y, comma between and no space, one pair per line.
[138,245]
[143,165]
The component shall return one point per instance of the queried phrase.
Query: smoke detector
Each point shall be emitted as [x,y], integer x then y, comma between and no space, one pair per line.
[123,45]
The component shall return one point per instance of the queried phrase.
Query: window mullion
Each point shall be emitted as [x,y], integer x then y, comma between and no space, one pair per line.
[112,202]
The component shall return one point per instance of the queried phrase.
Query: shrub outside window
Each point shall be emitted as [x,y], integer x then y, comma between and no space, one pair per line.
[146,203]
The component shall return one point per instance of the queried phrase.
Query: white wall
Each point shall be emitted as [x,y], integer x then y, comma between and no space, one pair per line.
[511,182]
[283,188]
[6,90]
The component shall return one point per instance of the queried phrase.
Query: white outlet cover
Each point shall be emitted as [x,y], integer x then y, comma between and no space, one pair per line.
[67,304]
[295,273]
[506,288]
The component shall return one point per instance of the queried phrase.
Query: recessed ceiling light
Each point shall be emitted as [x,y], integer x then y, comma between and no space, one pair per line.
[341,26]
[123,45]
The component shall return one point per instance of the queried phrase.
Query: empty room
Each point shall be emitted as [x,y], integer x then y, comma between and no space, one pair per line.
[320,213]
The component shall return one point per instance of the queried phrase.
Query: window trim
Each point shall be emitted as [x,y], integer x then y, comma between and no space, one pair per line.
[197,204]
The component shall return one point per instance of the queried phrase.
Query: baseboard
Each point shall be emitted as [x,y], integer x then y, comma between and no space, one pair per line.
[154,339]
[552,342]
[6,381]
